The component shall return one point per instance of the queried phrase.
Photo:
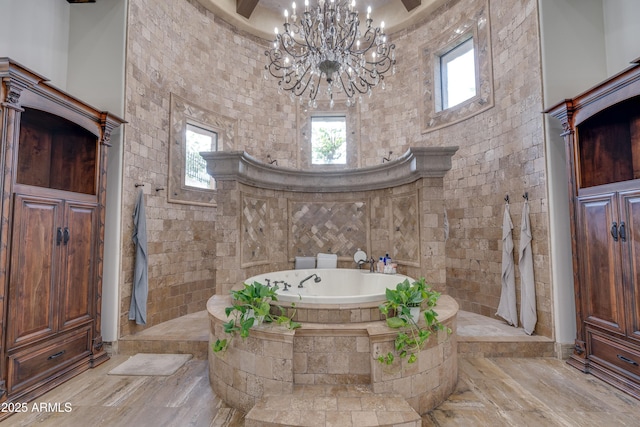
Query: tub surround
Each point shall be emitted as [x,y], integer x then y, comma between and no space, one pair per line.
[273,359]
[269,215]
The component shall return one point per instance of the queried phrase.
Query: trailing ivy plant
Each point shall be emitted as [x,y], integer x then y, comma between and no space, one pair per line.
[251,305]
[411,337]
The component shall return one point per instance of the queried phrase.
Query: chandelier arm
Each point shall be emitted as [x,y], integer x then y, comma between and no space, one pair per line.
[292,53]
[299,88]
[363,85]
[274,68]
[314,88]
[350,34]
[348,90]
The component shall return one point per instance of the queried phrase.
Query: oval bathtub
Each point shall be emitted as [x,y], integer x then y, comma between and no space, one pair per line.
[337,285]
[341,296]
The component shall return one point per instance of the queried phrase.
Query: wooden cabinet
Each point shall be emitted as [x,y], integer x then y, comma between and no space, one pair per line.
[54,152]
[602,136]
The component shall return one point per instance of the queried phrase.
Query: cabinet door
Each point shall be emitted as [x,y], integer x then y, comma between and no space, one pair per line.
[78,259]
[599,262]
[33,276]
[630,207]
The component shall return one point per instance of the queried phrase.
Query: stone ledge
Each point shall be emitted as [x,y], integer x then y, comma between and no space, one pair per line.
[416,163]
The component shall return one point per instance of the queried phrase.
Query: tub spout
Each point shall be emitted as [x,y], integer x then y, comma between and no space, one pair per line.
[317,279]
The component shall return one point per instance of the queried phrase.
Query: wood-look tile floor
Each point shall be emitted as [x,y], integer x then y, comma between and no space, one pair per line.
[490,392]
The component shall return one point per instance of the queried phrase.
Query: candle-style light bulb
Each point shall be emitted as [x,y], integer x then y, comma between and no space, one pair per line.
[306,5]
[286,16]
[382,26]
[368,12]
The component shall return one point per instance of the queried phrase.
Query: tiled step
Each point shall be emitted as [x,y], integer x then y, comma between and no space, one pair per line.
[188,334]
[342,406]
[481,336]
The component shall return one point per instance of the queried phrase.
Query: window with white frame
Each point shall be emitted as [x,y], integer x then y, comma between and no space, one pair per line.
[457,75]
[329,140]
[198,138]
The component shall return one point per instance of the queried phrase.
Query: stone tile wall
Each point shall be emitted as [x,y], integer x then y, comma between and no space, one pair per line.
[405,221]
[331,357]
[177,46]
[501,151]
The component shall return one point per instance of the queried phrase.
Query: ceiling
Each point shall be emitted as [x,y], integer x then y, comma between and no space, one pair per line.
[268,14]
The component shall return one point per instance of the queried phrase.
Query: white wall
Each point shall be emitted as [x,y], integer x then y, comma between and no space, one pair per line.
[96,75]
[583,42]
[35,33]
[622,33]
[81,49]
[573,60]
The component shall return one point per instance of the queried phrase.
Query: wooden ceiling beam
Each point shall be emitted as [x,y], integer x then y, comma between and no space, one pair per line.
[409,4]
[246,7]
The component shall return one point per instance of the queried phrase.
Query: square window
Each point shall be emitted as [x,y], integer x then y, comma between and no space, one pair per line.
[198,139]
[457,75]
[329,140]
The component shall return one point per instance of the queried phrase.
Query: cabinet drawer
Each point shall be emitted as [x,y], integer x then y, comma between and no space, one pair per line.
[33,364]
[622,357]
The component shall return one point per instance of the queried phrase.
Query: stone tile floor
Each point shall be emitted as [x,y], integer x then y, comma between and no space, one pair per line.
[491,392]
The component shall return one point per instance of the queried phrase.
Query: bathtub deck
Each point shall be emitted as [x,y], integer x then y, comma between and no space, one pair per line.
[478,336]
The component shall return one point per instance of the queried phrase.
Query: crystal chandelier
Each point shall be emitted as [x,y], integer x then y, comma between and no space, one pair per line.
[327,43]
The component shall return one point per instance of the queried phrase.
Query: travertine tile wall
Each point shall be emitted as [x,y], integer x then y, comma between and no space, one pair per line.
[501,151]
[177,46]
[340,359]
[405,221]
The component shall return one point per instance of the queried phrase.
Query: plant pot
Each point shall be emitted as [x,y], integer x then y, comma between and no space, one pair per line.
[414,314]
[251,314]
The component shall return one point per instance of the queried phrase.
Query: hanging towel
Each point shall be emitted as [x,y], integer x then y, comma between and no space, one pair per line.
[138,308]
[507,305]
[528,315]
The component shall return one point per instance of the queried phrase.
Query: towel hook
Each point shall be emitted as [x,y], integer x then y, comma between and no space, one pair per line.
[139,185]
[526,196]
[506,198]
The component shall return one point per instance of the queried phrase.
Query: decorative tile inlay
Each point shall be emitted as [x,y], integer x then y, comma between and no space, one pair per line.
[330,227]
[405,228]
[254,231]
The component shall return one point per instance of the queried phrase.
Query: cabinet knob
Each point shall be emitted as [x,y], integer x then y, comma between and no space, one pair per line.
[58,236]
[66,235]
[614,231]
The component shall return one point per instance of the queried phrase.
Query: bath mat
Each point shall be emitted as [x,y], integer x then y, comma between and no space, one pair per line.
[151,364]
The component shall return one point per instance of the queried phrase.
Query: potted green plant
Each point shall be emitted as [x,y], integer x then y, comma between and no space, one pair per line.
[402,312]
[251,306]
